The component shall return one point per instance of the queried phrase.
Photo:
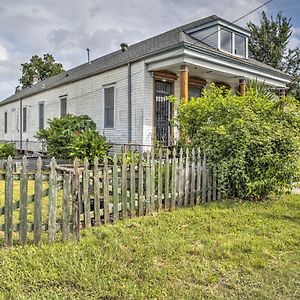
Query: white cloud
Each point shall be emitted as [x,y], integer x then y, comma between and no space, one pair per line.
[3,53]
[294,41]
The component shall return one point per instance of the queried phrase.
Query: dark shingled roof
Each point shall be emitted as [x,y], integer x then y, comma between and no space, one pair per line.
[164,41]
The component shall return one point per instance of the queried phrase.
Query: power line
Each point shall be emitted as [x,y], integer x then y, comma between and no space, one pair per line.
[193,44]
[247,14]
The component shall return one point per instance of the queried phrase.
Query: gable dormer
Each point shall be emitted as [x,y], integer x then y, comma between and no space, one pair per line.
[224,36]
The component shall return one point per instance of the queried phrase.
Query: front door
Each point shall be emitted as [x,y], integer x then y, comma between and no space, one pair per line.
[164,111]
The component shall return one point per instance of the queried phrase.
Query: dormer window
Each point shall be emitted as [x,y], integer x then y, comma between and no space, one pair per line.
[224,36]
[226,40]
[232,42]
[240,45]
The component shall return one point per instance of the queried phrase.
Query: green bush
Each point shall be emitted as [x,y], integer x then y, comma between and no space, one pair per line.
[73,136]
[7,150]
[253,143]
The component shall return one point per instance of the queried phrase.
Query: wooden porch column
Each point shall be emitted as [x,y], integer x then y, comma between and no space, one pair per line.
[184,83]
[242,87]
[281,97]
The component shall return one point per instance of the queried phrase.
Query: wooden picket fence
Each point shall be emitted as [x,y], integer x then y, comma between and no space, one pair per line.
[67,199]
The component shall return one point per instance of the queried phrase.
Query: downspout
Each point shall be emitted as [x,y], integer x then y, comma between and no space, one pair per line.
[129,105]
[21,124]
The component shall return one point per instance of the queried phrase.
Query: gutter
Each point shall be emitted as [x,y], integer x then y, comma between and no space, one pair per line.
[21,123]
[129,105]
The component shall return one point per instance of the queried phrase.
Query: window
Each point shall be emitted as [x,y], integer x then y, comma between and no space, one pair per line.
[41,115]
[226,40]
[5,122]
[195,91]
[63,107]
[240,45]
[24,119]
[109,99]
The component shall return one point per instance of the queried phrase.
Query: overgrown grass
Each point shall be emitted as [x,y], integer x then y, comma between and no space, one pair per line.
[228,250]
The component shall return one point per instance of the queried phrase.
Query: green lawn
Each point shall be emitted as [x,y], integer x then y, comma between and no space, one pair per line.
[228,250]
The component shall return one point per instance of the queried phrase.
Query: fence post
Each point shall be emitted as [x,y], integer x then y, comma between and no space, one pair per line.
[66,207]
[124,187]
[148,183]
[173,180]
[52,201]
[193,178]
[152,183]
[132,186]
[38,186]
[97,191]
[115,188]
[8,217]
[76,197]
[159,180]
[187,179]
[85,193]
[23,202]
[204,178]
[198,188]
[106,191]
[180,179]
[167,180]
[141,187]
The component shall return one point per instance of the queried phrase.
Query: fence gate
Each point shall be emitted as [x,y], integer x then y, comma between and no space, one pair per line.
[164,111]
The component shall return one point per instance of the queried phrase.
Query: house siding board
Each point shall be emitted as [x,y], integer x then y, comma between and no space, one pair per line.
[148,108]
[86,96]
[209,35]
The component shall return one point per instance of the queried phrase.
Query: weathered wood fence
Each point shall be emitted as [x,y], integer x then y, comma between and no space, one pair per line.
[66,199]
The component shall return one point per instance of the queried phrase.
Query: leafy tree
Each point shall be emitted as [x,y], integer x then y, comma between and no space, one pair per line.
[292,67]
[268,43]
[73,136]
[43,67]
[250,140]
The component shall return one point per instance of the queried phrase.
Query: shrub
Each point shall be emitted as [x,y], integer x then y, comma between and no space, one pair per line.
[251,141]
[73,136]
[7,150]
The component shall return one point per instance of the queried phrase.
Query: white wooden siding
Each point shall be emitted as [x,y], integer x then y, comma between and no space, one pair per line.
[86,96]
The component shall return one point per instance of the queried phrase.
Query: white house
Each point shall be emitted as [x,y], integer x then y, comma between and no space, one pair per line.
[125,92]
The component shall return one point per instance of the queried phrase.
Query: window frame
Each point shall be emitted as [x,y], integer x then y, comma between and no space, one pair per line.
[24,120]
[234,49]
[231,40]
[196,86]
[114,108]
[233,33]
[41,103]
[64,98]
[5,122]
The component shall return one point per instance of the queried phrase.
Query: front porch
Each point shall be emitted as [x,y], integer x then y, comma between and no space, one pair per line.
[183,82]
[184,72]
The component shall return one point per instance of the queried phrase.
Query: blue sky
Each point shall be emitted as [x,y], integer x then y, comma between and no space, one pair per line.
[66,28]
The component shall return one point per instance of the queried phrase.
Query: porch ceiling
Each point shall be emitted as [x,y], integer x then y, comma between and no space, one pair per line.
[214,69]
[208,74]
